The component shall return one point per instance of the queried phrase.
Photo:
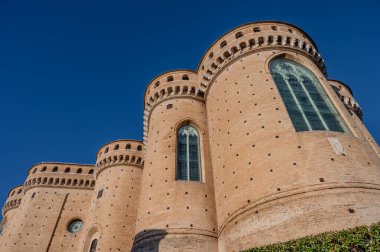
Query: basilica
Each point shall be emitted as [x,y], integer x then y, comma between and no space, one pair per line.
[255,146]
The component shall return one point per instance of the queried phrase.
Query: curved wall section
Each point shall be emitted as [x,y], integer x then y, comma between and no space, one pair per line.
[13,200]
[248,39]
[179,84]
[174,214]
[271,182]
[113,210]
[346,96]
[47,207]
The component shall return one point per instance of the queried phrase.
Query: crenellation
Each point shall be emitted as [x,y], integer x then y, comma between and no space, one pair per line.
[56,167]
[14,199]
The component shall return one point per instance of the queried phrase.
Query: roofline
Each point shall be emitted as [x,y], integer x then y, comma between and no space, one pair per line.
[130,140]
[13,189]
[166,72]
[58,163]
[256,22]
[344,84]
[220,37]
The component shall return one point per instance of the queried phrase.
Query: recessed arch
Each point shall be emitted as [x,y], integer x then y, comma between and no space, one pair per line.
[94,233]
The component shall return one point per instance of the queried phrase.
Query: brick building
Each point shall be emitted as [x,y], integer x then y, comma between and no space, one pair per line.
[255,147]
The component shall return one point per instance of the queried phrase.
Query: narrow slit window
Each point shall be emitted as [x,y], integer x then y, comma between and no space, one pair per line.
[93,246]
[306,101]
[188,154]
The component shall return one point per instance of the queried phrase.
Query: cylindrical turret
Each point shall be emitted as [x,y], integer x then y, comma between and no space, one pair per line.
[112,215]
[345,94]
[13,200]
[53,195]
[282,169]
[176,206]
[9,213]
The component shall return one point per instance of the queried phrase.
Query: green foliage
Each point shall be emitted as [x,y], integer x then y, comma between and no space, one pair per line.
[357,239]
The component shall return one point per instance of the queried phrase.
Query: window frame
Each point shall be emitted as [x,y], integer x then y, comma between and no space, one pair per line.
[200,163]
[340,117]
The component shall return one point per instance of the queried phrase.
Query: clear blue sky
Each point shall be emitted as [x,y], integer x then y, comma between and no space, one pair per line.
[73,73]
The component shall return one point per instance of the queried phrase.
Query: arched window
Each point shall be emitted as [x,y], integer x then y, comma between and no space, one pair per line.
[79,171]
[94,243]
[67,170]
[188,154]
[55,169]
[306,101]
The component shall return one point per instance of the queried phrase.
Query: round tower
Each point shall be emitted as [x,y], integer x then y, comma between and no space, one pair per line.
[52,196]
[13,201]
[112,215]
[345,94]
[176,206]
[288,158]
[9,213]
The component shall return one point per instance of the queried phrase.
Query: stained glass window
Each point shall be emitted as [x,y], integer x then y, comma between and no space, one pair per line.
[188,158]
[306,101]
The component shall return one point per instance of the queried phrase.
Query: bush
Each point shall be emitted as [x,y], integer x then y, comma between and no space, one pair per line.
[359,239]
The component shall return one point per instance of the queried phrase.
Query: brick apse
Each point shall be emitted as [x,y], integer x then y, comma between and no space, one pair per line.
[255,147]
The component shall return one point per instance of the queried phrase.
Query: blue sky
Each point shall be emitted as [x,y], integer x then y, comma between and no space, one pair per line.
[73,73]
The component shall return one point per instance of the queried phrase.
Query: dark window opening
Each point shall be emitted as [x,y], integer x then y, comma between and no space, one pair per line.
[100,194]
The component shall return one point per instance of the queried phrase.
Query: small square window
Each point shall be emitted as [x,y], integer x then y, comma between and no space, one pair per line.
[169,106]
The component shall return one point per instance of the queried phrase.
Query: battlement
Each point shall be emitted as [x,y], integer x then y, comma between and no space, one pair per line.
[171,79]
[120,151]
[173,83]
[67,175]
[345,94]
[14,199]
[58,167]
[252,37]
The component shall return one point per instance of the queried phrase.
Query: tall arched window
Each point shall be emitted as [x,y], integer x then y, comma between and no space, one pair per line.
[94,243]
[188,154]
[306,101]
